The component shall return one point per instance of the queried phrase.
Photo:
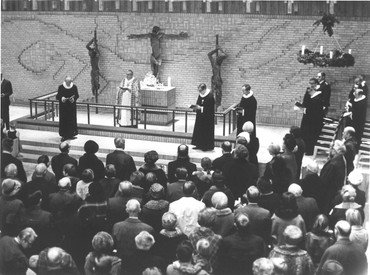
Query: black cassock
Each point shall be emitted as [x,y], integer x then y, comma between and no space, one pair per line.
[67,111]
[204,128]
[359,116]
[312,120]
[248,113]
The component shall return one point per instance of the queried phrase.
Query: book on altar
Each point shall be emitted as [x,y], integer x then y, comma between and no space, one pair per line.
[192,106]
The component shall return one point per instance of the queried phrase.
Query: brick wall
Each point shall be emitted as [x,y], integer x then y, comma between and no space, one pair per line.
[39,49]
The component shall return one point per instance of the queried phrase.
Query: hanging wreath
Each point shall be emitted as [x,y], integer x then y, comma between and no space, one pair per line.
[328,21]
[339,59]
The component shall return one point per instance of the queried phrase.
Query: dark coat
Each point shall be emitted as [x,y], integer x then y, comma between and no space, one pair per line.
[269,201]
[6,159]
[160,174]
[109,186]
[351,151]
[249,108]
[57,163]
[94,163]
[166,245]
[326,92]
[291,163]
[42,184]
[117,208]
[10,211]
[313,187]
[219,162]
[308,209]
[207,197]
[173,165]
[140,260]
[123,163]
[12,259]
[253,146]
[174,190]
[7,90]
[152,213]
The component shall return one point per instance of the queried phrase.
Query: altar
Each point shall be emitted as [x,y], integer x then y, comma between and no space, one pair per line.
[160,97]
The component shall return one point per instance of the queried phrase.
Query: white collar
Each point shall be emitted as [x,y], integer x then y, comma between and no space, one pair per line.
[206,93]
[322,81]
[363,83]
[249,95]
[360,98]
[67,87]
[315,94]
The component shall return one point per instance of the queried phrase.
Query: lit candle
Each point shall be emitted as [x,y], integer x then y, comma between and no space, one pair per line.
[303,48]
[321,49]
[331,54]
[169,81]
[349,51]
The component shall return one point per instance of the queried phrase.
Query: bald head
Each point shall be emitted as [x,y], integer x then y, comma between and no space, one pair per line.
[226,147]
[188,188]
[64,183]
[295,189]
[248,127]
[241,222]
[342,229]
[253,194]
[64,147]
[11,171]
[133,208]
[40,170]
[125,187]
[119,142]
[219,200]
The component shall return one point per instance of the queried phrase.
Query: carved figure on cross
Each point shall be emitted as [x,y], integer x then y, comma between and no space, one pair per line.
[156,37]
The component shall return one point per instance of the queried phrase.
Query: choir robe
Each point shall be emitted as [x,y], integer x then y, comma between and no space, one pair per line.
[67,111]
[312,120]
[248,113]
[203,134]
[359,116]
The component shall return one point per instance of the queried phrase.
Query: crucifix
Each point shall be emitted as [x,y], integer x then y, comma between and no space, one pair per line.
[216,81]
[94,54]
[155,41]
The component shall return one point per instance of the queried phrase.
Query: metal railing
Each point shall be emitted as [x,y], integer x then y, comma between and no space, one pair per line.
[44,107]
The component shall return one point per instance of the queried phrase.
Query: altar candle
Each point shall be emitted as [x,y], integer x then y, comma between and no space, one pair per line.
[331,54]
[303,48]
[321,49]
[349,51]
[169,81]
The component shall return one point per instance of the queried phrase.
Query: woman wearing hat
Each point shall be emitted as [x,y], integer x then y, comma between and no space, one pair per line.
[150,165]
[90,161]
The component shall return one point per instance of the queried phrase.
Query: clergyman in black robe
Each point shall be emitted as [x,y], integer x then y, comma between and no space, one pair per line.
[247,109]
[67,96]
[359,105]
[204,128]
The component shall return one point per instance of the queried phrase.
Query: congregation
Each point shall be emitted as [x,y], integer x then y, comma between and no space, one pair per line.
[84,217]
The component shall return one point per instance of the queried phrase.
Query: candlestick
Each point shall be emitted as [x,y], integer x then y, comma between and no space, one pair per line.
[169,81]
[303,48]
[321,49]
[331,54]
[349,51]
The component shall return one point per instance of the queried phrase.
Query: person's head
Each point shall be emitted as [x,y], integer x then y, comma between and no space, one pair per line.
[203,248]
[169,221]
[243,139]
[218,179]
[64,183]
[55,257]
[156,29]
[144,241]
[137,178]
[40,170]
[355,178]
[119,142]
[152,271]
[253,194]
[11,171]
[248,127]
[188,188]
[332,267]
[274,149]
[338,148]
[183,152]
[353,216]
[264,185]
[44,159]
[287,208]
[102,243]
[241,152]
[10,187]
[263,266]
[7,144]
[342,229]
[357,80]
[110,171]
[312,167]
[321,76]
[320,225]
[184,252]
[129,74]
[69,170]
[68,80]
[156,191]
[150,178]
[219,200]
[91,147]
[241,222]
[64,147]
[226,147]
[207,217]
[348,193]
[289,142]
[206,163]
[296,131]
[87,175]
[125,188]
[151,157]
[202,88]
[280,266]
[27,237]
[295,189]
[313,83]
[96,193]
[133,208]
[293,235]
[34,199]
[348,132]
[246,88]
[181,173]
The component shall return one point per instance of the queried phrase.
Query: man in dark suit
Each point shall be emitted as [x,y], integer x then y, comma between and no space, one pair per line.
[122,161]
[267,199]
[247,109]
[58,161]
[259,218]
[325,89]
[124,232]
[226,157]
[182,160]
[175,189]
[6,92]
[7,158]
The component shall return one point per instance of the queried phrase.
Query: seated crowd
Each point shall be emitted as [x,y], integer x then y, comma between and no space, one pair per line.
[225,217]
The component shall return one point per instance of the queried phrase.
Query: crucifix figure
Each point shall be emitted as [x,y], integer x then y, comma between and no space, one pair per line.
[155,41]
[94,54]
[216,81]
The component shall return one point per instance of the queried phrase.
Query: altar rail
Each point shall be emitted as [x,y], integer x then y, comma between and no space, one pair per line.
[46,107]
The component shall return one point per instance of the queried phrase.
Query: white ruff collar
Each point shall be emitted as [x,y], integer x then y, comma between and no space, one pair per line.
[360,98]
[128,83]
[67,87]
[315,94]
[206,93]
[249,95]
[363,83]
